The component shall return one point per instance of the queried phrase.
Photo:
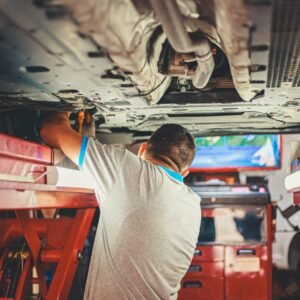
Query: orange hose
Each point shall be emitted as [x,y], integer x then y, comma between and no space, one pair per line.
[88,118]
[80,119]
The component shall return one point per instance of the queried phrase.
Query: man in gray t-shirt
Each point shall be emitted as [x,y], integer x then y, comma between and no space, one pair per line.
[149,220]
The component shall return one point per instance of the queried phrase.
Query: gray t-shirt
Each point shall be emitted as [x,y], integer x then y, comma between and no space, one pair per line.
[147,231]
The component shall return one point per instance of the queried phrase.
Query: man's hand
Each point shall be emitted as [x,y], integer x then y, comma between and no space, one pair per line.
[57,132]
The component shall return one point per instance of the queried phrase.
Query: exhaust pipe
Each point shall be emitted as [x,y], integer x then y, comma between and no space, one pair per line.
[206,65]
[172,21]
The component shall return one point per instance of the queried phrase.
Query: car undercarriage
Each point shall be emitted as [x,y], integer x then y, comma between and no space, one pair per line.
[215,67]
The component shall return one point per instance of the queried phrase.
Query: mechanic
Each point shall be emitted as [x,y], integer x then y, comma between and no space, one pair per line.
[150,219]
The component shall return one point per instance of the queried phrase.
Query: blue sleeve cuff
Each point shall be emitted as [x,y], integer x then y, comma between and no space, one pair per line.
[83,148]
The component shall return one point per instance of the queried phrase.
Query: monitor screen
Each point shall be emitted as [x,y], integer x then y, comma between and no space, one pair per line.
[237,152]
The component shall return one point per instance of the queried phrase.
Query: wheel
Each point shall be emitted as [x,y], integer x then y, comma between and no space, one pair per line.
[294,253]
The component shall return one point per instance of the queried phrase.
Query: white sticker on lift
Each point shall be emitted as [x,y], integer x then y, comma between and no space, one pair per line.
[246,264]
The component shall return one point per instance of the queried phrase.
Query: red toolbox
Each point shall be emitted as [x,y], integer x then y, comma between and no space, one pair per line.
[233,257]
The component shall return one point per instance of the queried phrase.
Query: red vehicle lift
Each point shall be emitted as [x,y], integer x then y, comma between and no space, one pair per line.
[48,244]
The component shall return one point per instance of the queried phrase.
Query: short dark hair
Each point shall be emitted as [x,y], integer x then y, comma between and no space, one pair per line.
[172,141]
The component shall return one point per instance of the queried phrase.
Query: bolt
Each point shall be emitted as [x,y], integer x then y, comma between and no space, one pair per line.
[79,256]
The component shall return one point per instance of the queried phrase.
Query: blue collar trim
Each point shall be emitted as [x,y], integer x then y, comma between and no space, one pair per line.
[172,174]
[83,148]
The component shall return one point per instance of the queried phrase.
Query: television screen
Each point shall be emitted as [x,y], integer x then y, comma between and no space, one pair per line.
[237,152]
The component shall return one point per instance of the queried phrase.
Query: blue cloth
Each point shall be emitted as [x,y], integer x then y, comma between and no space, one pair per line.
[173,174]
[83,148]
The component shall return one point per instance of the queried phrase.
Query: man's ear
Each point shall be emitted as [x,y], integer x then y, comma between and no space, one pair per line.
[142,150]
[185,172]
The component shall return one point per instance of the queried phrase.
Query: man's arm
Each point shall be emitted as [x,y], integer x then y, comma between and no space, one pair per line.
[57,132]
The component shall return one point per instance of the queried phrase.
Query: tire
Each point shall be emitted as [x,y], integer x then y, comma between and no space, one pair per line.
[294,253]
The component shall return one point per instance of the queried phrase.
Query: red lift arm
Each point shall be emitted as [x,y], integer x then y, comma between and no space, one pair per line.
[24,191]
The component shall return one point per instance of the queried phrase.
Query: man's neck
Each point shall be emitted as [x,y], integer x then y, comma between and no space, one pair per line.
[168,164]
